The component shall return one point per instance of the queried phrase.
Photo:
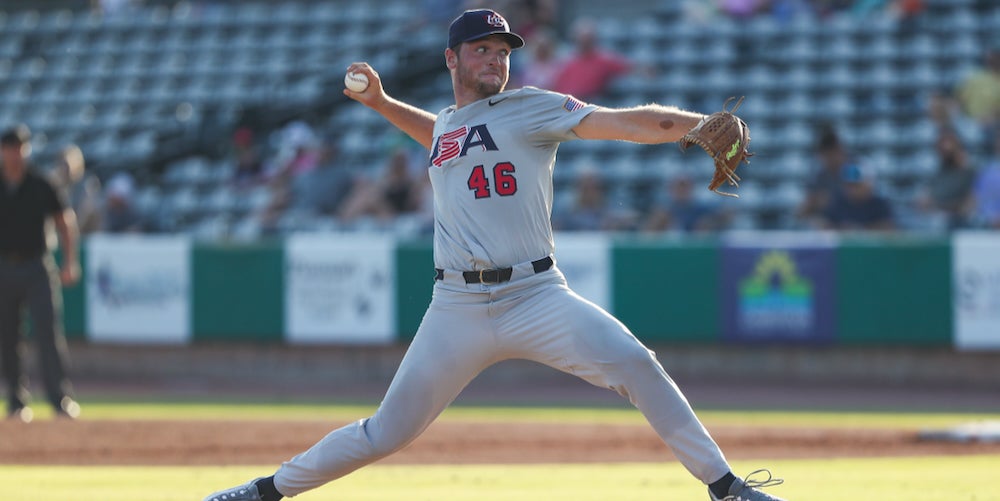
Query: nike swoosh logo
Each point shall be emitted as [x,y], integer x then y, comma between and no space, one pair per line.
[498,101]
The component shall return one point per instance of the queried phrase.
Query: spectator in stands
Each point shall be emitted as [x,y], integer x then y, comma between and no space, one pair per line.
[246,154]
[678,210]
[943,109]
[827,8]
[987,190]
[324,189]
[299,150]
[907,11]
[786,11]
[832,158]
[948,192]
[858,206]
[79,189]
[591,209]
[543,65]
[530,17]
[298,154]
[587,73]
[397,192]
[979,94]
[740,9]
[120,214]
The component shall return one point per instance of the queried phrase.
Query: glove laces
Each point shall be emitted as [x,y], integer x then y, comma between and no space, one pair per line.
[733,110]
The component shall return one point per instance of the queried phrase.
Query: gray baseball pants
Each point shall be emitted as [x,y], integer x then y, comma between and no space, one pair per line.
[32,285]
[469,327]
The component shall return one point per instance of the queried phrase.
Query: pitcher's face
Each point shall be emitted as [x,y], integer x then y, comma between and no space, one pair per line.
[483,66]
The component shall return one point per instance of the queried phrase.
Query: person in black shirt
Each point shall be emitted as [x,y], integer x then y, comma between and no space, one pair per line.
[857,206]
[31,278]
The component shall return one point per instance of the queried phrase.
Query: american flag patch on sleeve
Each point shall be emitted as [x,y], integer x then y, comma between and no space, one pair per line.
[572,104]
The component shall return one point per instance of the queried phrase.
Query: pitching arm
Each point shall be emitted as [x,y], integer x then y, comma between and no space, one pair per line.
[415,122]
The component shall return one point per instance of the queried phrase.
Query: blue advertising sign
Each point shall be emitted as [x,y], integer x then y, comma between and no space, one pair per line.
[778,294]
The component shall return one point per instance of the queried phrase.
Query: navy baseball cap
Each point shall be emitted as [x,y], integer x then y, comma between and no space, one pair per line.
[476,24]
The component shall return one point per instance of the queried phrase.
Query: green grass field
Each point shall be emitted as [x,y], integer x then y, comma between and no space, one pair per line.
[118,408]
[915,478]
[912,479]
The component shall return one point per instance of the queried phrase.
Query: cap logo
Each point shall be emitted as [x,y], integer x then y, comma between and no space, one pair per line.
[496,20]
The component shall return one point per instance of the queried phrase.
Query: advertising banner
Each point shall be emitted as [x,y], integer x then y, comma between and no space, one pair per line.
[976,271]
[778,290]
[585,260]
[138,289]
[340,289]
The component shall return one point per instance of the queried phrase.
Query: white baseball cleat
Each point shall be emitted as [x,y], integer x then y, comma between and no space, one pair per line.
[245,492]
[747,489]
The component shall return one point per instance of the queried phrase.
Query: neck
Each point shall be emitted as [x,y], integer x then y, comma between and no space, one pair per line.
[466,98]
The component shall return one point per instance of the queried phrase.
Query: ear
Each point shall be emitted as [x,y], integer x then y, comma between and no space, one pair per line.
[451,59]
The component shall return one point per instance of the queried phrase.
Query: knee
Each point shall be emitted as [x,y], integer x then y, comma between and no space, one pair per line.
[638,356]
[384,441]
[633,364]
[382,448]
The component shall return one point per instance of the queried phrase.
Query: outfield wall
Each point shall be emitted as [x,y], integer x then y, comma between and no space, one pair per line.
[798,289]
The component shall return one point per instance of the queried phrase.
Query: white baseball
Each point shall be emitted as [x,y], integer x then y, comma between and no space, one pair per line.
[356,82]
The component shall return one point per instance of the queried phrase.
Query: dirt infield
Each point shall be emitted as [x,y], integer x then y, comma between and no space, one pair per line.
[258,442]
[192,442]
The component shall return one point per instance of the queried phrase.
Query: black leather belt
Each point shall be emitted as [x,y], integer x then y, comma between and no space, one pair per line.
[498,275]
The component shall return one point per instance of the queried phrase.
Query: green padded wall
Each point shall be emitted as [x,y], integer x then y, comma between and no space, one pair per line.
[75,300]
[238,292]
[894,291]
[667,291]
[415,282]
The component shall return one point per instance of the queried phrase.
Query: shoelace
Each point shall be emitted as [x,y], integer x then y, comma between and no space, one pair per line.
[770,481]
[749,483]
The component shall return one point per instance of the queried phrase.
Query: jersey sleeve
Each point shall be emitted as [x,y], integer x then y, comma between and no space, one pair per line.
[552,115]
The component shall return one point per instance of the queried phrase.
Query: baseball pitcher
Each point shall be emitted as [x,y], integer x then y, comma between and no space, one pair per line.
[498,293]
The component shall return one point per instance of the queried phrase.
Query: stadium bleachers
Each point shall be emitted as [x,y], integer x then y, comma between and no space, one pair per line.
[160,81]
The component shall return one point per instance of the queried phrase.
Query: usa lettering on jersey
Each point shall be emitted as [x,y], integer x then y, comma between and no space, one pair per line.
[458,142]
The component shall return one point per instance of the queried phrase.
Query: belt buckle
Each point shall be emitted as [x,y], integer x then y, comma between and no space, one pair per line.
[484,281]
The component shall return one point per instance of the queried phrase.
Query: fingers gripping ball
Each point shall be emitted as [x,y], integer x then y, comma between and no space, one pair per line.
[726,138]
[356,82]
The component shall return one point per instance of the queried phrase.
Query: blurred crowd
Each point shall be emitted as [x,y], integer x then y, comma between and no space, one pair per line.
[100,207]
[305,175]
[785,10]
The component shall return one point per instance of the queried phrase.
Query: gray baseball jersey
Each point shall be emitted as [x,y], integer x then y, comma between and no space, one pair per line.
[491,168]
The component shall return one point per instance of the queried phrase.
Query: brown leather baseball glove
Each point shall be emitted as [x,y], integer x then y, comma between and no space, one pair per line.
[725,137]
